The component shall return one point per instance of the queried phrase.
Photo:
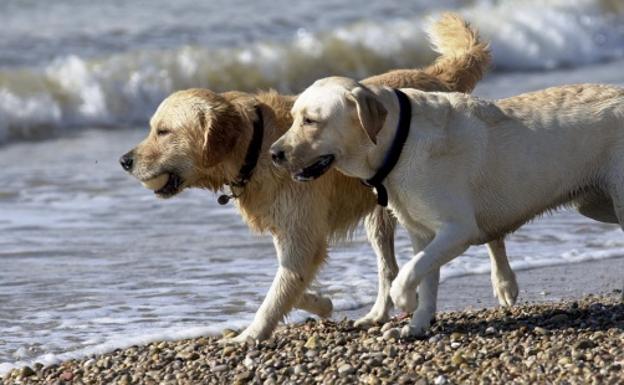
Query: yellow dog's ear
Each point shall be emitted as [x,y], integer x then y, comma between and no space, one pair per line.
[370,111]
[221,126]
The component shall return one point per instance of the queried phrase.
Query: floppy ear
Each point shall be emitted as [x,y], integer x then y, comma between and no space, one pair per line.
[221,126]
[371,113]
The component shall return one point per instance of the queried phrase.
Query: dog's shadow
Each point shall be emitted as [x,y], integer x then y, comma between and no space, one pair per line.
[593,317]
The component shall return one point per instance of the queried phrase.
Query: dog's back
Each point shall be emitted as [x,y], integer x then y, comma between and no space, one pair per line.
[545,148]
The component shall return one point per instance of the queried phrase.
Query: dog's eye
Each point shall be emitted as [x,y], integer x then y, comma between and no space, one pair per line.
[308,121]
[162,132]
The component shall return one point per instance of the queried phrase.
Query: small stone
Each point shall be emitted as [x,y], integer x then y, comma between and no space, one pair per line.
[440,380]
[406,379]
[434,339]
[456,336]
[392,334]
[229,333]
[490,330]
[457,359]
[345,370]
[228,350]
[584,344]
[243,376]
[249,362]
[373,330]
[417,358]
[298,369]
[187,355]
[558,318]
[391,351]
[124,379]
[540,330]
[66,375]
[220,368]
[312,343]
[455,345]
[26,371]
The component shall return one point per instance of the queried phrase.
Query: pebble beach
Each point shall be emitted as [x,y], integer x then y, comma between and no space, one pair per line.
[565,342]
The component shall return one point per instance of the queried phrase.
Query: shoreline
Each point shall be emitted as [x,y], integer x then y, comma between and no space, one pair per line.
[467,306]
[536,285]
[578,341]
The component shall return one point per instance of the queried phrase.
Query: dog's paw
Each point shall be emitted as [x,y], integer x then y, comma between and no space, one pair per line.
[403,297]
[419,324]
[372,318]
[505,290]
[247,336]
[408,331]
[325,307]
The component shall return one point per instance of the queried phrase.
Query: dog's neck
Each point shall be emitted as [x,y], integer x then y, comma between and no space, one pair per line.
[363,160]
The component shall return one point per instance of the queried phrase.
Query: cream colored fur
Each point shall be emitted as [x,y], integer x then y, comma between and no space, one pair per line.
[471,170]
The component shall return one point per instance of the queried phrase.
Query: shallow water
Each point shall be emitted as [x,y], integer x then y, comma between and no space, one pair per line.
[91,261]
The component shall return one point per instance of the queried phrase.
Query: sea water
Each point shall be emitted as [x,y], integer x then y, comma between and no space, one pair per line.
[90,261]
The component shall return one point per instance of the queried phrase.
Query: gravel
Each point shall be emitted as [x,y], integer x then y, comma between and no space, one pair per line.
[568,342]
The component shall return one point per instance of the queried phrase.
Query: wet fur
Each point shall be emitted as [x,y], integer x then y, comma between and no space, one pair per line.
[215,130]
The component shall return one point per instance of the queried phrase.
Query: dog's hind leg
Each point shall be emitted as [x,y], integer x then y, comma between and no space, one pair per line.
[616,190]
[380,226]
[504,281]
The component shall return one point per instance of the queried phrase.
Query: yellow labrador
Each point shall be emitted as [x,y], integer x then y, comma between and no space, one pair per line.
[458,170]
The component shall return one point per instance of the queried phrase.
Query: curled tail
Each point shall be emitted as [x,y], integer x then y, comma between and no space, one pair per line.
[463,59]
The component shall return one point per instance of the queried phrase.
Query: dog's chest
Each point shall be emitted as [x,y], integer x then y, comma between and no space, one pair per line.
[412,209]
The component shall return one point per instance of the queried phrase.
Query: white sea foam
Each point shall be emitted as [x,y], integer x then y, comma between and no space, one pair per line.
[125,88]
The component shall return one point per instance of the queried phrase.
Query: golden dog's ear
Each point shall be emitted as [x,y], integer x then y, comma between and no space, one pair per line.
[371,113]
[221,125]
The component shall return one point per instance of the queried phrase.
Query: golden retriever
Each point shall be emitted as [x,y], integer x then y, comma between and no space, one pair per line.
[199,138]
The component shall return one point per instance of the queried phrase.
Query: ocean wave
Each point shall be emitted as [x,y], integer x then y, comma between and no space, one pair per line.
[124,89]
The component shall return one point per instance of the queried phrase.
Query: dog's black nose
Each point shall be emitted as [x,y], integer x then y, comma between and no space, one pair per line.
[278,156]
[126,161]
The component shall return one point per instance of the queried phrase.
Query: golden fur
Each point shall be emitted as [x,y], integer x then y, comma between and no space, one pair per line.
[214,130]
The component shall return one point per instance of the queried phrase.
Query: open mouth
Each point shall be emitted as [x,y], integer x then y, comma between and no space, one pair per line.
[318,168]
[165,185]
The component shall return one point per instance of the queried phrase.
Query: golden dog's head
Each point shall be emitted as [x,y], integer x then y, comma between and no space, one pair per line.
[193,134]
[334,119]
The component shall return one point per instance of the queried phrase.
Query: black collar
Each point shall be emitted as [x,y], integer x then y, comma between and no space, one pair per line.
[251,158]
[393,154]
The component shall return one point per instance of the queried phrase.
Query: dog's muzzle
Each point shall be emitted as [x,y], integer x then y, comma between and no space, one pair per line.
[316,169]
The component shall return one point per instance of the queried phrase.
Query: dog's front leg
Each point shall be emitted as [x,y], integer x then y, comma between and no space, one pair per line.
[300,254]
[449,242]
[380,225]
